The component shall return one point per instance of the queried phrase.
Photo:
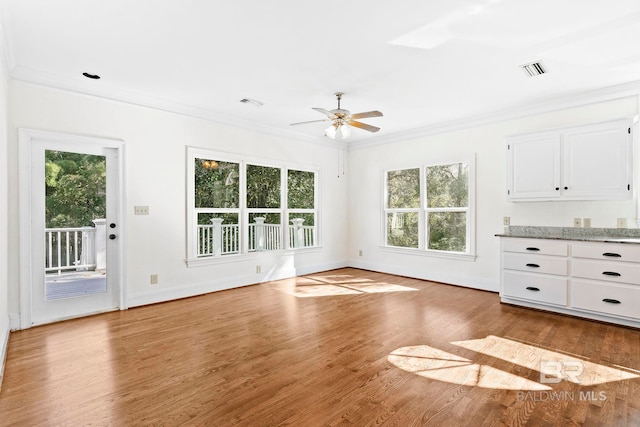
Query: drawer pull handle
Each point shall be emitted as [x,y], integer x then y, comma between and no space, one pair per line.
[611,301]
[535,266]
[611,273]
[534,289]
[612,255]
[533,249]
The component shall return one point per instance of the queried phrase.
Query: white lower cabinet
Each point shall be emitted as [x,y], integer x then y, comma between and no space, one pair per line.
[600,281]
[535,287]
[615,300]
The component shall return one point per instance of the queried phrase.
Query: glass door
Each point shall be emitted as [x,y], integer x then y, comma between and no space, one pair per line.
[74,230]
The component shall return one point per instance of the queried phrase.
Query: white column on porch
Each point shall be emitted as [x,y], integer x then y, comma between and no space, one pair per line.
[217,236]
[100,243]
[259,233]
[298,236]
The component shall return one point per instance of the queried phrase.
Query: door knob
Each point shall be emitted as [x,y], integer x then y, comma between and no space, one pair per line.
[112,225]
[112,236]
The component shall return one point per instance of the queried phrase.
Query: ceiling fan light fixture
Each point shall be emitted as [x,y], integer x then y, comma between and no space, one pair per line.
[345,131]
[331,131]
[342,120]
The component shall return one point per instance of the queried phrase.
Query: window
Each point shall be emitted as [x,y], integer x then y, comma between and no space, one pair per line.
[403,208]
[301,212]
[430,208]
[264,201]
[239,207]
[216,206]
[447,207]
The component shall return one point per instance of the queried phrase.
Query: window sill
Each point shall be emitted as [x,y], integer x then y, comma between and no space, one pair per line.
[429,253]
[204,261]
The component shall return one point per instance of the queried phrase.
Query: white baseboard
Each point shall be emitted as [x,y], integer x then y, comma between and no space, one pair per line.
[14,321]
[4,345]
[448,278]
[168,294]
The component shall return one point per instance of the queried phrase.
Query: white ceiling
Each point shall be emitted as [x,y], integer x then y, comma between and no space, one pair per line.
[423,63]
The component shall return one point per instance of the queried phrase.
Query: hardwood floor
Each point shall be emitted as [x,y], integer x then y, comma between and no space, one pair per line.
[344,347]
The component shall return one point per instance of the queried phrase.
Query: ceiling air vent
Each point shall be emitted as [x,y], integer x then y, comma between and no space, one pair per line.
[533,69]
[253,102]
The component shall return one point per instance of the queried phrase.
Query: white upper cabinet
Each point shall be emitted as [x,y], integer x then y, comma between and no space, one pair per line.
[534,166]
[592,162]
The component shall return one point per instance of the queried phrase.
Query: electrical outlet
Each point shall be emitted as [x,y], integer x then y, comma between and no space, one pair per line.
[621,223]
[360,252]
[577,222]
[506,220]
[141,210]
[153,279]
[586,222]
[258,269]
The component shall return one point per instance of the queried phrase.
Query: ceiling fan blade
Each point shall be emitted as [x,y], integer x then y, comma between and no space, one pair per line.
[363,126]
[310,121]
[327,112]
[367,114]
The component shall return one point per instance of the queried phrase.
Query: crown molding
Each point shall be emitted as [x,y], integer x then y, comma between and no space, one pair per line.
[6,54]
[590,97]
[113,93]
[106,91]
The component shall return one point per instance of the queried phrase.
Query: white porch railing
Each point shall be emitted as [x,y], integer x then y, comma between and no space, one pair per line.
[264,237]
[301,236]
[70,249]
[216,239]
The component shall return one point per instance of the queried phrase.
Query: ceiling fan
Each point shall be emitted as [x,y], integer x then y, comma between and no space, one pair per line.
[341,119]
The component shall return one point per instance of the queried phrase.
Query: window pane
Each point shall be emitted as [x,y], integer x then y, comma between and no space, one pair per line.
[447,231]
[216,184]
[265,232]
[263,187]
[448,186]
[301,233]
[403,189]
[402,229]
[300,189]
[218,238]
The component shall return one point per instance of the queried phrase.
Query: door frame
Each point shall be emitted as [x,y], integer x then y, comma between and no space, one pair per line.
[26,137]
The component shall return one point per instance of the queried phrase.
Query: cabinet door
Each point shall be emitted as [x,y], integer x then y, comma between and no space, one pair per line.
[534,167]
[597,161]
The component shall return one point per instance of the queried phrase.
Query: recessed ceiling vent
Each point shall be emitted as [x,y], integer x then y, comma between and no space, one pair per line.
[534,69]
[253,102]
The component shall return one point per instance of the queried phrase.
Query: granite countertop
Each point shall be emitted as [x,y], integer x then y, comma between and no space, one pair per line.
[611,235]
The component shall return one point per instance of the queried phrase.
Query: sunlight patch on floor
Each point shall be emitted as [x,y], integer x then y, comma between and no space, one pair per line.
[440,365]
[322,286]
[308,291]
[552,366]
[549,363]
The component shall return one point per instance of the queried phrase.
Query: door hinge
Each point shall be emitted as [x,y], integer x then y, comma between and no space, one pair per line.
[508,192]
[629,130]
[628,187]
[508,146]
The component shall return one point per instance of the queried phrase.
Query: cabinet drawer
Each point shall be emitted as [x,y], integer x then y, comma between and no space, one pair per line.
[609,252]
[618,300]
[535,263]
[534,287]
[536,246]
[621,272]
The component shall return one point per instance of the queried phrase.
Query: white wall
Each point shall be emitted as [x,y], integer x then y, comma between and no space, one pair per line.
[488,142]
[155,162]
[4,226]
[155,153]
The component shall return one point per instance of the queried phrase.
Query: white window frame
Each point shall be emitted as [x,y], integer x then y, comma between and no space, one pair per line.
[243,212]
[422,250]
